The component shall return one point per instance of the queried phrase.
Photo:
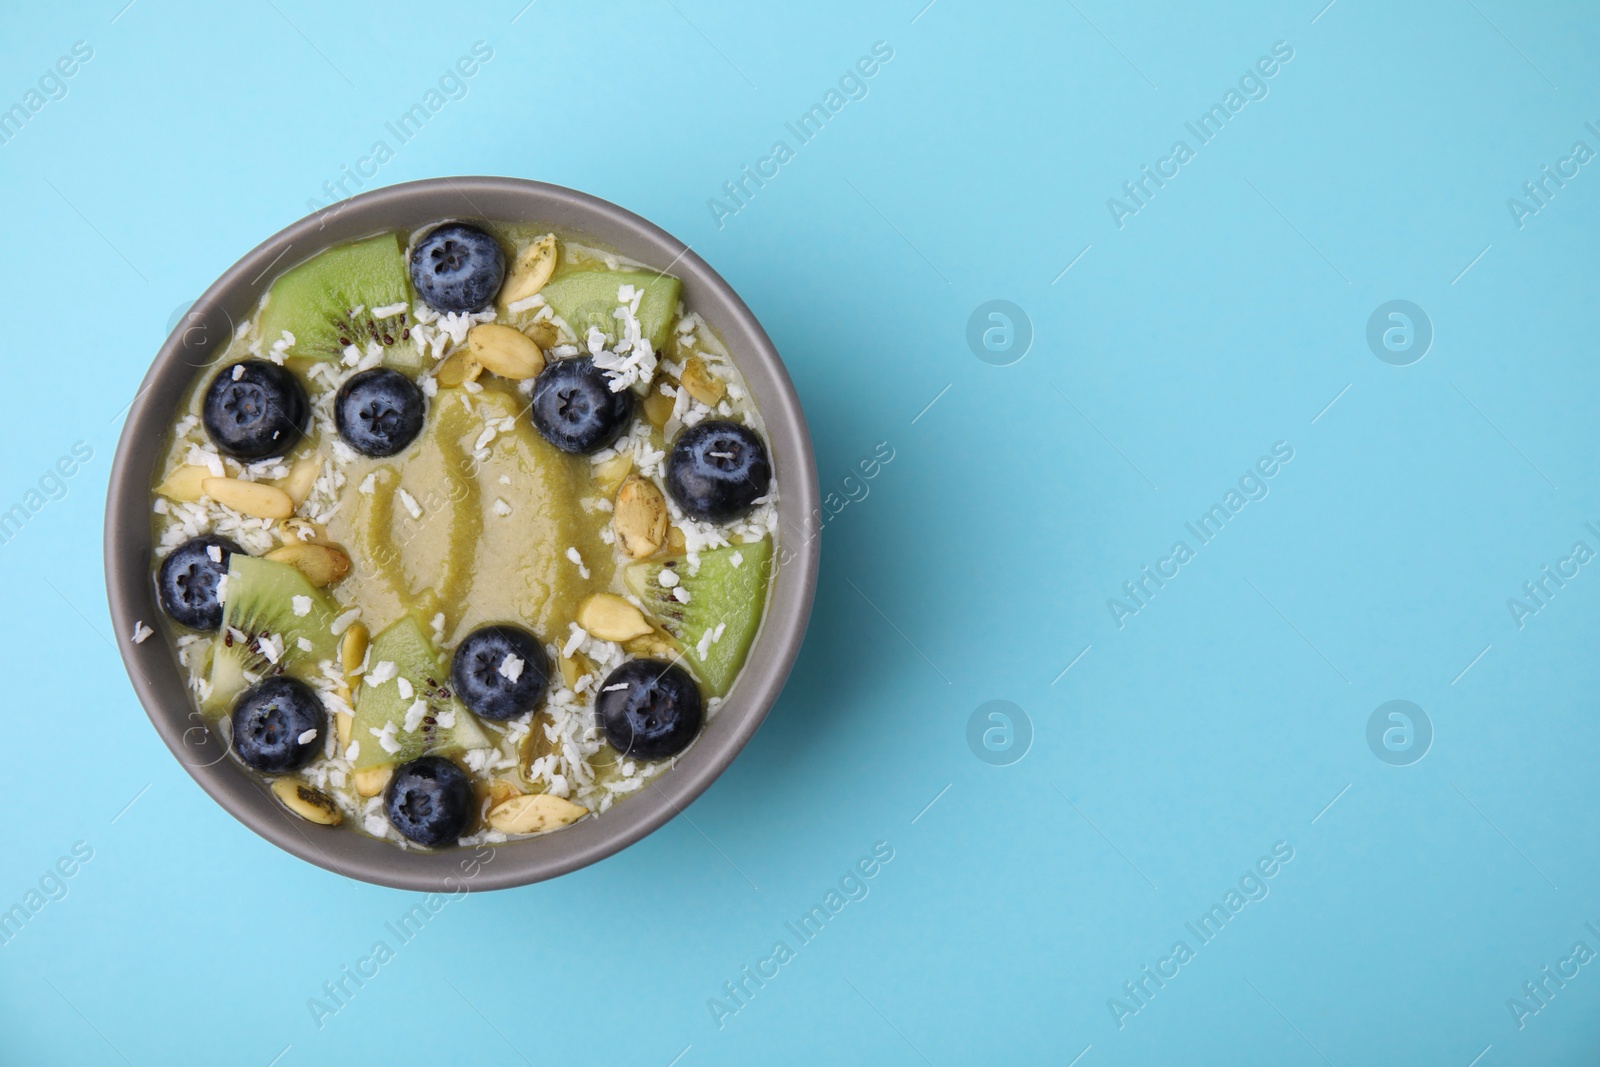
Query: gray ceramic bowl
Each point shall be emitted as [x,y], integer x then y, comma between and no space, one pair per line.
[154,669]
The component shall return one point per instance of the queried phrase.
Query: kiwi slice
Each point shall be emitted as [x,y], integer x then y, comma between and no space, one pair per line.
[426,672]
[723,593]
[259,602]
[587,298]
[327,303]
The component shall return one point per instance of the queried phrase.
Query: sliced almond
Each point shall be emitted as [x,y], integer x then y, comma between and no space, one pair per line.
[185,484]
[611,618]
[370,782]
[310,804]
[458,367]
[654,644]
[504,351]
[343,723]
[353,649]
[534,813]
[536,746]
[302,532]
[249,498]
[701,383]
[302,476]
[609,475]
[322,564]
[501,791]
[675,542]
[639,518]
[658,408]
[572,668]
[533,269]
[544,334]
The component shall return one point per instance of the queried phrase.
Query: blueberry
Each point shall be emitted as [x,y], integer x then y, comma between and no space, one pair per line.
[255,409]
[187,582]
[379,411]
[271,717]
[575,409]
[500,672]
[457,267]
[655,714]
[429,800]
[717,470]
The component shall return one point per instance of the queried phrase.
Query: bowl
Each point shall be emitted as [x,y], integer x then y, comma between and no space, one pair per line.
[202,334]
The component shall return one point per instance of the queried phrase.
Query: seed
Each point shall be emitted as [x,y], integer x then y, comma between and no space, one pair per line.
[370,782]
[353,649]
[610,618]
[609,475]
[322,564]
[308,803]
[639,518]
[459,367]
[184,484]
[534,813]
[249,498]
[544,333]
[302,532]
[506,352]
[534,267]
[658,408]
[572,668]
[302,476]
[343,723]
[675,542]
[501,791]
[701,383]
[654,644]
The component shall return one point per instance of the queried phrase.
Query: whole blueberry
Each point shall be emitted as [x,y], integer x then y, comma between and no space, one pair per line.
[187,582]
[717,470]
[379,411]
[649,709]
[500,672]
[457,267]
[269,720]
[575,409]
[429,800]
[255,409]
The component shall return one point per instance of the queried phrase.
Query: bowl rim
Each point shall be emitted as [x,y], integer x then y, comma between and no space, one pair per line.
[152,665]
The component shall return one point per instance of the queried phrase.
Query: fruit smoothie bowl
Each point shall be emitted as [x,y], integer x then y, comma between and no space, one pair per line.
[457,536]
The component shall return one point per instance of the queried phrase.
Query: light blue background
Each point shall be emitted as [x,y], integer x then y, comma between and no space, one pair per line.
[1223,718]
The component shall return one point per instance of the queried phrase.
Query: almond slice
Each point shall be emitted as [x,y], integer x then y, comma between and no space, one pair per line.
[310,804]
[458,367]
[611,618]
[701,383]
[302,476]
[533,269]
[185,484]
[534,813]
[504,351]
[322,564]
[609,474]
[249,498]
[639,518]
[370,782]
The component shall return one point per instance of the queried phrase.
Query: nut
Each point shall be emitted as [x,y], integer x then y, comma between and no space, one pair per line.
[534,267]
[572,668]
[544,333]
[534,814]
[370,782]
[308,803]
[302,476]
[610,618]
[654,644]
[609,475]
[353,649]
[504,351]
[658,409]
[701,383]
[457,368]
[249,498]
[322,564]
[535,746]
[184,483]
[675,542]
[343,723]
[639,518]
[501,791]
[302,532]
